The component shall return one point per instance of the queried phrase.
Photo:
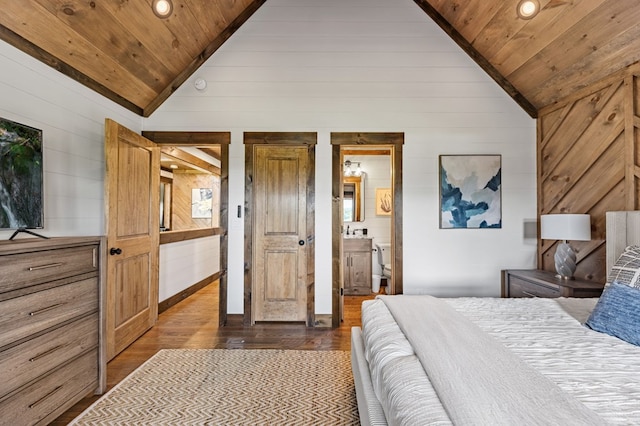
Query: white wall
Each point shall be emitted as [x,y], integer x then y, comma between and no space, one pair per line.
[369,66]
[185,263]
[303,65]
[72,120]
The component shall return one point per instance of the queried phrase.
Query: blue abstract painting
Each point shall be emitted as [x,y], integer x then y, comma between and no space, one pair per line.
[470,191]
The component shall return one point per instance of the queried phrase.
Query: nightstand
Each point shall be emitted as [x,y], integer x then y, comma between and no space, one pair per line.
[539,283]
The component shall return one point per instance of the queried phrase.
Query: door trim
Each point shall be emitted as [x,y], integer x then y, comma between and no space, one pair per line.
[308,139]
[202,139]
[394,141]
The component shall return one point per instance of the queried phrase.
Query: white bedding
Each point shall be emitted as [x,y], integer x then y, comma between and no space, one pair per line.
[601,371]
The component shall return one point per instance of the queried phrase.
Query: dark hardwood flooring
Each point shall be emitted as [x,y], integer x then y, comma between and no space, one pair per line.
[193,323]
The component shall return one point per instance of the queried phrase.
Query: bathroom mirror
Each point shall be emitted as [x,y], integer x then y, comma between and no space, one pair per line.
[353,198]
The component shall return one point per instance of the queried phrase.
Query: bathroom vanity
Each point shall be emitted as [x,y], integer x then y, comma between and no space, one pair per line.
[357,266]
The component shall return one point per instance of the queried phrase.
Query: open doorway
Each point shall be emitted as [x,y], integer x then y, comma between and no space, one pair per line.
[189,188]
[366,220]
[182,148]
[352,266]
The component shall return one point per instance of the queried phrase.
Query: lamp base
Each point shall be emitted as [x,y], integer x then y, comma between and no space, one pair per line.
[565,260]
[560,277]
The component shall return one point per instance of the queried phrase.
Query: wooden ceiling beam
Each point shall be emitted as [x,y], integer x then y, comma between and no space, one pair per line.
[40,54]
[477,57]
[212,152]
[190,159]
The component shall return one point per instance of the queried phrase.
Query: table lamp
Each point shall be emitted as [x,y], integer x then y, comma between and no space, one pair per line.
[565,227]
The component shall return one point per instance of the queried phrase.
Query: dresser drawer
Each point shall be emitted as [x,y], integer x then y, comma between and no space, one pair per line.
[36,357]
[522,288]
[27,269]
[29,314]
[49,397]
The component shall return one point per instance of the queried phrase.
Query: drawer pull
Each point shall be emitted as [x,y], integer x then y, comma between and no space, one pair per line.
[48,308]
[43,354]
[528,294]
[51,265]
[45,397]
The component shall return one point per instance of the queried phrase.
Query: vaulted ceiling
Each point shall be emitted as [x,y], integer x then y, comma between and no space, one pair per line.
[120,49]
[569,45]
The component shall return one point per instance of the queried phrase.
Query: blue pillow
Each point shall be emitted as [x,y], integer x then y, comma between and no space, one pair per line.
[617,313]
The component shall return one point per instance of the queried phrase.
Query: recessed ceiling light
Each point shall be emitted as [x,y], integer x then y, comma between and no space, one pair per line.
[173,166]
[162,8]
[527,9]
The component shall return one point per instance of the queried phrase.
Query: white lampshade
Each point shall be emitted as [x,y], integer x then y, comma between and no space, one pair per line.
[573,227]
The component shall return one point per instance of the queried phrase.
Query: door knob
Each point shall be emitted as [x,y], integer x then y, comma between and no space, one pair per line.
[115,251]
[301,242]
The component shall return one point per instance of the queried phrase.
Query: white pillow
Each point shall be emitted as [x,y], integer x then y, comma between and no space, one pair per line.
[626,269]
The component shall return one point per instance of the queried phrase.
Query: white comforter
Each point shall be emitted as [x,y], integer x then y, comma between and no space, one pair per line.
[599,370]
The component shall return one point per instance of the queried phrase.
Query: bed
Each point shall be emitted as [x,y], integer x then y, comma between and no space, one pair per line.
[419,360]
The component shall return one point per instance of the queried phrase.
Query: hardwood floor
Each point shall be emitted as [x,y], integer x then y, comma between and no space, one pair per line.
[193,323]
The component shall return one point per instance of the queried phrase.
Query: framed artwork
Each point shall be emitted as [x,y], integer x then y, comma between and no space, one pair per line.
[384,202]
[470,191]
[201,203]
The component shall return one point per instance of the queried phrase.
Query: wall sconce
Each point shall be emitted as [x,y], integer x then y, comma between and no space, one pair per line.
[528,9]
[349,172]
[162,8]
[565,227]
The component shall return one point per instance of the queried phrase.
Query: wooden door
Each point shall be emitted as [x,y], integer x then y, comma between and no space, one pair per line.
[279,233]
[133,229]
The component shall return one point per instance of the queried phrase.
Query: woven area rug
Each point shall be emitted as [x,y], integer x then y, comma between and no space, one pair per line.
[232,387]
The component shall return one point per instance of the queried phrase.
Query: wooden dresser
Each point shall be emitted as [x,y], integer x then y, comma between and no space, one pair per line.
[50,327]
[539,283]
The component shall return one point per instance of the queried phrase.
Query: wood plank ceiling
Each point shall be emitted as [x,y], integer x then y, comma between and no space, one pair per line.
[569,45]
[120,49]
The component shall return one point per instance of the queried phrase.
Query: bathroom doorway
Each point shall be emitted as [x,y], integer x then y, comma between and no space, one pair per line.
[349,152]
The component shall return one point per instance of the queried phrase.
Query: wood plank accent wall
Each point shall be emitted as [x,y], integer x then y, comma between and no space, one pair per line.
[181,208]
[589,162]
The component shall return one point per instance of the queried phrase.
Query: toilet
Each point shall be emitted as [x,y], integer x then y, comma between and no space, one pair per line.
[384,260]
